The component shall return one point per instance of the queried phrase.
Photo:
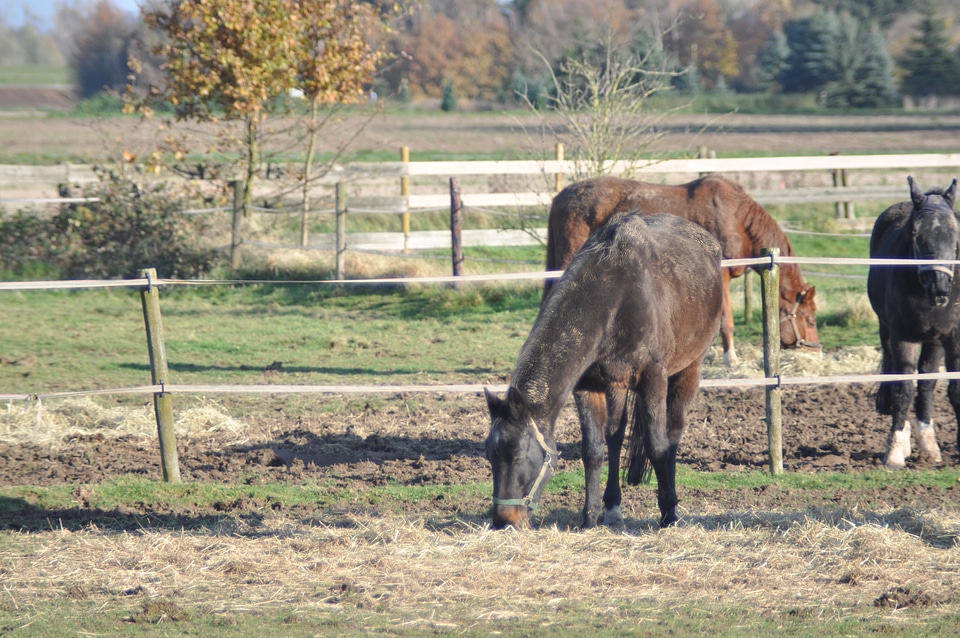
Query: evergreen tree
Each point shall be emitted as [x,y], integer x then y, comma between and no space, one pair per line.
[811,42]
[688,80]
[822,58]
[874,84]
[449,102]
[774,62]
[883,12]
[930,68]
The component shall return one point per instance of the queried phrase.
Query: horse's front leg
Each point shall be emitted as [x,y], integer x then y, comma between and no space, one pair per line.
[904,357]
[730,357]
[931,355]
[592,409]
[614,432]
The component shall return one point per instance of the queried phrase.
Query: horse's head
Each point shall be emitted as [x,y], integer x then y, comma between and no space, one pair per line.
[798,320]
[521,458]
[936,236]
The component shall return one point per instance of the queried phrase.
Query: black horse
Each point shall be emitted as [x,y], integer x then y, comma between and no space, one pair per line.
[636,309]
[919,312]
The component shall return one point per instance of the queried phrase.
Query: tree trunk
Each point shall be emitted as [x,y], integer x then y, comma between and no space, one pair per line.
[308,173]
[253,157]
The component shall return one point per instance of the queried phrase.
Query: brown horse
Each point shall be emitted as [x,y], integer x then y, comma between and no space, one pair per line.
[717,204]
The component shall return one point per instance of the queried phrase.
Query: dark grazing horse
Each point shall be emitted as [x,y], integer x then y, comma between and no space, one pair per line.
[636,310]
[919,312]
[720,205]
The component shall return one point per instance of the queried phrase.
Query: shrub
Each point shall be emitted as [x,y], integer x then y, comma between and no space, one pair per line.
[131,227]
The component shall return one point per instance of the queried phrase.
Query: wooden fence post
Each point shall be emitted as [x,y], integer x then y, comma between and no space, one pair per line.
[405,192]
[845,210]
[341,230]
[771,357]
[236,236]
[162,401]
[456,230]
[558,178]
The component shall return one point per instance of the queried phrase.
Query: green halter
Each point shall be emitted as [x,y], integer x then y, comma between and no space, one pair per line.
[547,465]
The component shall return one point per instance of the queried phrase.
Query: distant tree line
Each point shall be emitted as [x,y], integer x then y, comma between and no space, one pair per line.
[496,50]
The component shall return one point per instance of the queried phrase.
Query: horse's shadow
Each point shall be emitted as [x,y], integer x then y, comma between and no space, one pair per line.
[20,515]
[305,448]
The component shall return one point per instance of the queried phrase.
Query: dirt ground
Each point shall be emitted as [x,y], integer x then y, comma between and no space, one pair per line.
[825,428]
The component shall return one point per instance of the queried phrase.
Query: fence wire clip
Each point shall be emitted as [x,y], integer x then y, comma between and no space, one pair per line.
[150,283]
[773,261]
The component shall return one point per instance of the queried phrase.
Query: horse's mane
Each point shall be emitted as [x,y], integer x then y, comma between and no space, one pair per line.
[764,231]
[761,227]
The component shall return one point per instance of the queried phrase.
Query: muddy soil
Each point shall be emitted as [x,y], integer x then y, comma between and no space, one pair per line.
[825,428]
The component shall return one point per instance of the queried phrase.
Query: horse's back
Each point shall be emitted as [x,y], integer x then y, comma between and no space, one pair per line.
[659,277]
[888,229]
[581,208]
[890,238]
[711,202]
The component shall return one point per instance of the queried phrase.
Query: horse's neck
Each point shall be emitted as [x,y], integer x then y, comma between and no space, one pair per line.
[764,232]
[549,365]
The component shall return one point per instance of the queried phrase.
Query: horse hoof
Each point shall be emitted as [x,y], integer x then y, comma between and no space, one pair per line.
[927,438]
[668,519]
[730,358]
[613,517]
[895,459]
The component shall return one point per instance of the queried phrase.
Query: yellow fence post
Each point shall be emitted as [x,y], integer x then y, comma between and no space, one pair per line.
[405,193]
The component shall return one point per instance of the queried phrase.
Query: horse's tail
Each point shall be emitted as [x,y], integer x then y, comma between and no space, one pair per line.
[638,469]
[883,399]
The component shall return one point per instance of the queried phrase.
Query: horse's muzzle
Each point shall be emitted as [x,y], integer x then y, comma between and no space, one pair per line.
[516,516]
[937,283]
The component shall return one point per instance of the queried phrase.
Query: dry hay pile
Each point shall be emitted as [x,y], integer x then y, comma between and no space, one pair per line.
[456,575]
[51,423]
[794,363]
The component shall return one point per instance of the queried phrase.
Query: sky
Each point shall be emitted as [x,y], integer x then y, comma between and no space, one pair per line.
[14,11]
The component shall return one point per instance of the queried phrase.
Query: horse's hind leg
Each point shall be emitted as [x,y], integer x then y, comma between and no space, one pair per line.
[592,409]
[930,357]
[730,357]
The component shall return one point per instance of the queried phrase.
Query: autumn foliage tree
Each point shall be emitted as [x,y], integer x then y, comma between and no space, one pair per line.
[463,42]
[232,59]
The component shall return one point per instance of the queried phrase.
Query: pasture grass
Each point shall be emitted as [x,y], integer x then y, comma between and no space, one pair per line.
[817,572]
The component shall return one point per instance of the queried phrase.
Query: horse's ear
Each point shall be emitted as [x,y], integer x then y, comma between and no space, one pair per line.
[494,403]
[807,295]
[951,193]
[516,404]
[915,193]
